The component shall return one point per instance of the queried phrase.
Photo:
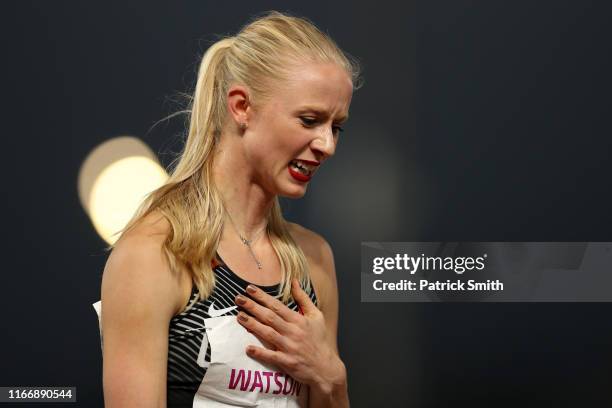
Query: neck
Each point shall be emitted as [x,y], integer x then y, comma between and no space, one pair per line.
[246,201]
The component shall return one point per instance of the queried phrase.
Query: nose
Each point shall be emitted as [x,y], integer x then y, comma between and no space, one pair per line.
[324,144]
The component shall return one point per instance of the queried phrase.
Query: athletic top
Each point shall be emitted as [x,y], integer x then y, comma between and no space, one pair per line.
[189,353]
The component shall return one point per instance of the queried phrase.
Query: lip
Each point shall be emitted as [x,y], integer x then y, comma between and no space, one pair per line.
[312,163]
[302,177]
[298,176]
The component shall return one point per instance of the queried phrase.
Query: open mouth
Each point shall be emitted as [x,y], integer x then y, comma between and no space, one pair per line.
[302,170]
[301,167]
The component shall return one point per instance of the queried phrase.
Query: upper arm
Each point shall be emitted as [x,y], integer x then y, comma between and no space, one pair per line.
[137,305]
[329,292]
[323,276]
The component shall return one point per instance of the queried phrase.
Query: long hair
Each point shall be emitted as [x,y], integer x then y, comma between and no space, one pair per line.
[259,56]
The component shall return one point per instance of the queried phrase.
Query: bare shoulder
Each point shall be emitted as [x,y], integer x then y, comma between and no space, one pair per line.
[321,262]
[155,226]
[314,245]
[139,297]
[322,273]
[137,264]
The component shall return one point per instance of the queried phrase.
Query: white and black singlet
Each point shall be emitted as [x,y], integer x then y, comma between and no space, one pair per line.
[207,362]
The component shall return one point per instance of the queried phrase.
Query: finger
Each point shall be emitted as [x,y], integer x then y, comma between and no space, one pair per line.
[266,334]
[263,314]
[270,303]
[301,298]
[266,356]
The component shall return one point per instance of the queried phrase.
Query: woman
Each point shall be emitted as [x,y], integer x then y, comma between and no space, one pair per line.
[210,298]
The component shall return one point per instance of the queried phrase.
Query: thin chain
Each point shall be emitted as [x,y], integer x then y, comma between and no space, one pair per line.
[248,242]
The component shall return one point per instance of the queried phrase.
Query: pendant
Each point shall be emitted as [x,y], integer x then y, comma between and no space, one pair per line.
[248,244]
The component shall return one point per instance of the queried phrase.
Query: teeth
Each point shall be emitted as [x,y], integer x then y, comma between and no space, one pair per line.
[301,167]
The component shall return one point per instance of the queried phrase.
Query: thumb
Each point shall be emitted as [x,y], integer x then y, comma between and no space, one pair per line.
[301,298]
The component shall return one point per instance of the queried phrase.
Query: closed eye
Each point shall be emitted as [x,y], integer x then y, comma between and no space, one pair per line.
[309,122]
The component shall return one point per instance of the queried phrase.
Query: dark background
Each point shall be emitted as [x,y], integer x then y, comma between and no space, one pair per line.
[478,121]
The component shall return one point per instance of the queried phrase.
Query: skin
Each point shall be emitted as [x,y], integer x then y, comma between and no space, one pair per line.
[251,166]
[250,170]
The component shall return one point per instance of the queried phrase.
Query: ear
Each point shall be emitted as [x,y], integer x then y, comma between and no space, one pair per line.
[239,104]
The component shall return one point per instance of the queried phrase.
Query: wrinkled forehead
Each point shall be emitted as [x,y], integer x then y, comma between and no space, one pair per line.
[325,84]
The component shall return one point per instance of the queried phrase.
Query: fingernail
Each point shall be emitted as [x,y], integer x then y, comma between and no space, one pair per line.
[241,300]
[251,289]
[242,316]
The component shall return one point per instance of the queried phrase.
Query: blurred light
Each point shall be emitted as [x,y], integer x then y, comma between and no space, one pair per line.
[114,179]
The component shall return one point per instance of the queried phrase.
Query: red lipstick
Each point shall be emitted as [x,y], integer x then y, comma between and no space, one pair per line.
[313,163]
[298,176]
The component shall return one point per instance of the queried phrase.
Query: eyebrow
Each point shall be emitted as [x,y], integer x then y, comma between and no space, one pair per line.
[323,112]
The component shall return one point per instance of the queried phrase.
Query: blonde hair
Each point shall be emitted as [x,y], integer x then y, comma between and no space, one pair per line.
[261,54]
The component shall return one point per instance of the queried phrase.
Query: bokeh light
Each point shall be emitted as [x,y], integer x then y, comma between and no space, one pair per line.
[114,179]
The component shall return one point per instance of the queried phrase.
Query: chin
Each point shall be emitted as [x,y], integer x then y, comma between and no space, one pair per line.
[293,192]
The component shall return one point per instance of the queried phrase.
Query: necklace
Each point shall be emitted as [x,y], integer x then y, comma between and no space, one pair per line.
[248,242]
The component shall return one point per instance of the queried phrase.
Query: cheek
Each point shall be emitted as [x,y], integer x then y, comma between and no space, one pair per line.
[290,141]
[277,143]
[267,152]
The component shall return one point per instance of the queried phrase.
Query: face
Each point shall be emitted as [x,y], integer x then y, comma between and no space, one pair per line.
[297,128]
